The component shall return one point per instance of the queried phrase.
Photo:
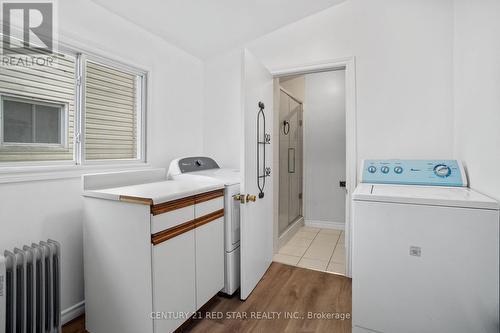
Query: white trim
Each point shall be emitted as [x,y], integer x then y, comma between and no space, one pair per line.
[275,163]
[289,233]
[325,224]
[315,67]
[351,155]
[81,94]
[141,109]
[349,65]
[72,312]
[79,107]
[51,172]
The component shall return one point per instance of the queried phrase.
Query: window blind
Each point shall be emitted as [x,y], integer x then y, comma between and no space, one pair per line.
[110,113]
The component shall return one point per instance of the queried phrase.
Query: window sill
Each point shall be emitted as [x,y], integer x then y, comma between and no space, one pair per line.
[19,174]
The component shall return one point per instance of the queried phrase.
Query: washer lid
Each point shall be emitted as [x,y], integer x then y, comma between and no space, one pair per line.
[424,195]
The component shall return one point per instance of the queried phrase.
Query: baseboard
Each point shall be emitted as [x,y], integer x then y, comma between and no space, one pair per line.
[72,312]
[288,233]
[325,224]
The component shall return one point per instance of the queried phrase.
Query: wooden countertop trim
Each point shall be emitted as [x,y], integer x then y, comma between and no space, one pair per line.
[172,205]
[208,218]
[136,200]
[208,196]
[167,234]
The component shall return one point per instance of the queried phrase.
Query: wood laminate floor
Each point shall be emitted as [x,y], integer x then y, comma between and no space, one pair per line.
[297,293]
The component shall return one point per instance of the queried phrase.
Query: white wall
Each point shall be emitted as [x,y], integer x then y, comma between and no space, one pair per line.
[477,92]
[403,51]
[222,113]
[294,85]
[53,209]
[324,147]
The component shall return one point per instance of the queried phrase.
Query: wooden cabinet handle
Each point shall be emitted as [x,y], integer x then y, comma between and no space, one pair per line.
[167,234]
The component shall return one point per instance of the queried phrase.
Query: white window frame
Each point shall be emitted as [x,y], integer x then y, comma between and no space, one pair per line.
[141,76]
[78,161]
[64,123]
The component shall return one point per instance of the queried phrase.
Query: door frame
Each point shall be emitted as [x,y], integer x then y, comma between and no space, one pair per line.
[349,65]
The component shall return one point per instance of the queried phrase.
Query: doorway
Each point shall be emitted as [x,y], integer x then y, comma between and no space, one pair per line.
[312,170]
[260,216]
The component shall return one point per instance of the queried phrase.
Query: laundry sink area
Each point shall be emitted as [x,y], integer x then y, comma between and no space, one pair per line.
[147,186]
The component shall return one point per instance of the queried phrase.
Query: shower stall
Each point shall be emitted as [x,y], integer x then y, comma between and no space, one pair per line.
[290,160]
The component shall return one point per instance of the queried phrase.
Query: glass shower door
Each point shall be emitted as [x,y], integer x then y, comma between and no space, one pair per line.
[294,162]
[291,155]
[284,186]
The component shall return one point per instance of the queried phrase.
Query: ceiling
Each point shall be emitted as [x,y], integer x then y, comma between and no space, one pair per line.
[207,27]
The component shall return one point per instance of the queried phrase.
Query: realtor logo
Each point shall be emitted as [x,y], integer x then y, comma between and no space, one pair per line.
[27,27]
[28,33]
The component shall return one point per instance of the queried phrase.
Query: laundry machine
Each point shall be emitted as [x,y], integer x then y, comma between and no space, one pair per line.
[425,250]
[206,168]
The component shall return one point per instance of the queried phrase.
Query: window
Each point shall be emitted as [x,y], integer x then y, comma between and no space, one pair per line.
[86,109]
[32,123]
[28,96]
[110,113]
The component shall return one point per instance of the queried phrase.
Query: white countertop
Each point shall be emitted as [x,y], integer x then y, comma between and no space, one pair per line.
[157,192]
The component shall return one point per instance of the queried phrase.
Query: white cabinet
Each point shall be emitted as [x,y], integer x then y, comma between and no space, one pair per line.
[209,245]
[209,240]
[173,281]
[149,264]
[188,257]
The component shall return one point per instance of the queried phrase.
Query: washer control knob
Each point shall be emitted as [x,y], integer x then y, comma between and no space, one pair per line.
[398,170]
[442,170]
[384,169]
[372,169]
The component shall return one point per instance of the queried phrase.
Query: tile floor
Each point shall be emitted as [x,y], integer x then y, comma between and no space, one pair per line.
[314,248]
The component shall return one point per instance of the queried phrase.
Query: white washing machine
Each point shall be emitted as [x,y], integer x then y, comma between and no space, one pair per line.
[425,250]
[205,167]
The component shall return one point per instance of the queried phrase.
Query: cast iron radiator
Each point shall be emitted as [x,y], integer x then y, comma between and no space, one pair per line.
[30,289]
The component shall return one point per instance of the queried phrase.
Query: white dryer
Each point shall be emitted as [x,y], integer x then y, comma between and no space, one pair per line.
[425,250]
[203,168]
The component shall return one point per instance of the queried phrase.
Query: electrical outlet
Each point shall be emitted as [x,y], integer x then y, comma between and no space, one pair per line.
[415,251]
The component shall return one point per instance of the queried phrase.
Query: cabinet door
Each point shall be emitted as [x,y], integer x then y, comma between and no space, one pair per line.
[209,260]
[174,281]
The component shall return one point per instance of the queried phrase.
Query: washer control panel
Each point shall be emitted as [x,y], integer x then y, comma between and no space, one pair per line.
[414,172]
[191,164]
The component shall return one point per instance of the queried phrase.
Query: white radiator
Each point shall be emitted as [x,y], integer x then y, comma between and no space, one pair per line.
[30,289]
